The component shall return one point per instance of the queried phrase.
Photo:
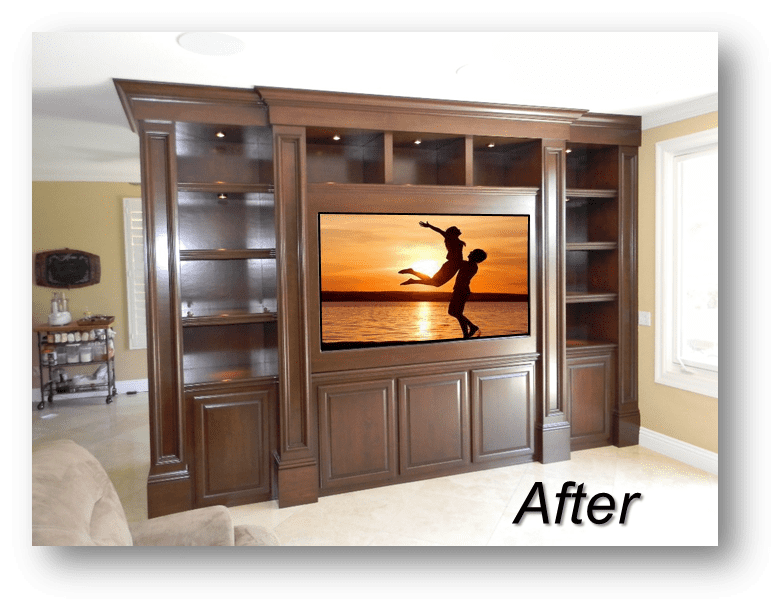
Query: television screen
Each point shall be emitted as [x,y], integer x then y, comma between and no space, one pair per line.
[395,279]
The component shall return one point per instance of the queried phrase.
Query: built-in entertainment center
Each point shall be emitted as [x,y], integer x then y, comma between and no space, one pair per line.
[348,291]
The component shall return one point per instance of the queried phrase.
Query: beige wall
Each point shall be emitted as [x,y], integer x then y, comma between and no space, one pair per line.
[689,417]
[87,216]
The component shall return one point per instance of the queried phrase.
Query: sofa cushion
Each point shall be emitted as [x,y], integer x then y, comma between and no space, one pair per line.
[74,501]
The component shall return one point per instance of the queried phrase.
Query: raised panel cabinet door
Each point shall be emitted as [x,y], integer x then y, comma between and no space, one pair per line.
[434,426]
[590,398]
[232,454]
[503,407]
[358,433]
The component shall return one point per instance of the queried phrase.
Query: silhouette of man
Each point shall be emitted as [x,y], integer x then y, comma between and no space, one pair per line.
[459,297]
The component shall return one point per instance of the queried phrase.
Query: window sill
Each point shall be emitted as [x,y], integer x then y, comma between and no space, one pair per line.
[696,381]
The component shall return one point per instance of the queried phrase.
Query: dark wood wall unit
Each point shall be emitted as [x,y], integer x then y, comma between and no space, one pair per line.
[506,162]
[345,156]
[358,432]
[429,159]
[614,130]
[169,482]
[601,284]
[503,412]
[174,102]
[386,425]
[246,405]
[232,453]
[590,396]
[297,468]
[415,199]
[434,423]
[626,418]
[552,427]
[397,114]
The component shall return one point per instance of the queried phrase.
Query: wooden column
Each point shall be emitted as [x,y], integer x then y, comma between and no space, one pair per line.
[553,432]
[626,417]
[388,158]
[296,464]
[169,485]
[469,161]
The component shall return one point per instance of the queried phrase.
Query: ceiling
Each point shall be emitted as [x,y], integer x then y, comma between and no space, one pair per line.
[80,132]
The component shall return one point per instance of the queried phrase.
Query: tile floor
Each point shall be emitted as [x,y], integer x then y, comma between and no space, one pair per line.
[679,504]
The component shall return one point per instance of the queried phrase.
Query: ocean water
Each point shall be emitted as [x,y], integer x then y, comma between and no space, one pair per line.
[407,321]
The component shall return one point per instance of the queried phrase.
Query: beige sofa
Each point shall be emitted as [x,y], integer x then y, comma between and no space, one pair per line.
[75,503]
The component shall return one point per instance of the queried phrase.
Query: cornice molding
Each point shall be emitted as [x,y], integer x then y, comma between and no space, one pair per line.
[308,99]
[134,94]
[591,119]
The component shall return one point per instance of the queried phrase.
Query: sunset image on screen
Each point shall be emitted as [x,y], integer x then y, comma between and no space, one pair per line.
[399,278]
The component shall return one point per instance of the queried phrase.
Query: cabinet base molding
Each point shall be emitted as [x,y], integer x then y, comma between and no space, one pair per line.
[166,495]
[553,442]
[297,482]
[447,472]
[625,425]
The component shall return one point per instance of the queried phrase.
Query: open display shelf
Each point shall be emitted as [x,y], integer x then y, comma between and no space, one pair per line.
[594,290]
[227,267]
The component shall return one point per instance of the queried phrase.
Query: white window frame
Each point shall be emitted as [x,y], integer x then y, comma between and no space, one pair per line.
[669,367]
[134,270]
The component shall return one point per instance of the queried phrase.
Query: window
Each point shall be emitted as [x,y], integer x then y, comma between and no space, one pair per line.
[134,273]
[686,347]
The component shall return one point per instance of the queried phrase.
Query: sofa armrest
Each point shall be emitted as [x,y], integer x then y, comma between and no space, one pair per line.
[254,536]
[204,526]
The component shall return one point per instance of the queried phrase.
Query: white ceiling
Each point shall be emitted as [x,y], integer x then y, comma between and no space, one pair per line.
[80,133]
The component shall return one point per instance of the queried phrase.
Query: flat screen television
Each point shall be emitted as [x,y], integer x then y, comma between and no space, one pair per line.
[398,279]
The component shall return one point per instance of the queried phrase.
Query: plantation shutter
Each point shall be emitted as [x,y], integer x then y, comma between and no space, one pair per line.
[134,273]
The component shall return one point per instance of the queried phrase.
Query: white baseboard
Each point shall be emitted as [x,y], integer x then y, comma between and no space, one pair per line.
[679,450]
[123,386]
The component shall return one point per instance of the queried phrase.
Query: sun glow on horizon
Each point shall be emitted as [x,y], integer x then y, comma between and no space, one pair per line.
[428,267]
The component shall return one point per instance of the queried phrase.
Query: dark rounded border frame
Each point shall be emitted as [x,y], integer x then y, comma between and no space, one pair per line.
[745,396]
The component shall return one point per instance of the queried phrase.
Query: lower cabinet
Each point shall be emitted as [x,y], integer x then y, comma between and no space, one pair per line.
[399,426]
[503,402]
[434,423]
[590,398]
[232,449]
[357,427]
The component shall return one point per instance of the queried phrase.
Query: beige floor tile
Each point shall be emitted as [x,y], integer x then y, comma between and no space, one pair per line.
[447,520]
[319,528]
[266,514]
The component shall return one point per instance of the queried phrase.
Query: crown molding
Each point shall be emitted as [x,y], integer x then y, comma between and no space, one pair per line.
[680,112]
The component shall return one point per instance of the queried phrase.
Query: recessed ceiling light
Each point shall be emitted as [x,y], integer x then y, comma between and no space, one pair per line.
[336,137]
[220,135]
[210,43]
[491,145]
[417,142]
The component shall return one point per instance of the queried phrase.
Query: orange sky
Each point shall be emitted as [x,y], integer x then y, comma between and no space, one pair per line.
[364,252]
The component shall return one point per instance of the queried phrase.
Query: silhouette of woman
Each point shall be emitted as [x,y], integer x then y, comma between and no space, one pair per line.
[447,271]
[459,297]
